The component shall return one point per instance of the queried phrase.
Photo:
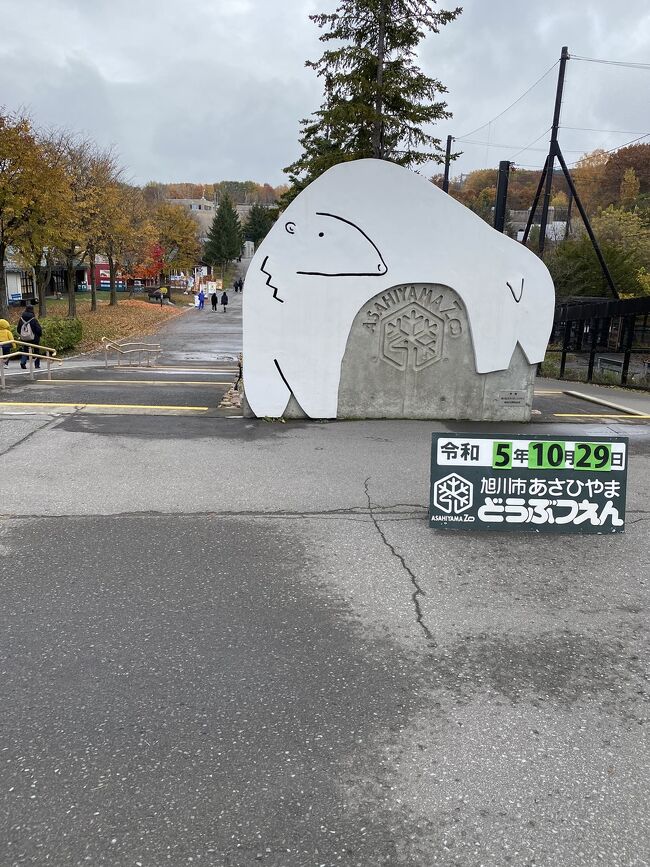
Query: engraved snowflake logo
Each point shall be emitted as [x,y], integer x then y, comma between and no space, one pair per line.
[412,337]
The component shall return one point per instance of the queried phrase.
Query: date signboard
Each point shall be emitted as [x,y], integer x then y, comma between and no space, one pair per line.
[533,483]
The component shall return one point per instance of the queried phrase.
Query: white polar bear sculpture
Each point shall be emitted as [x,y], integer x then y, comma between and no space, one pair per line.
[359,229]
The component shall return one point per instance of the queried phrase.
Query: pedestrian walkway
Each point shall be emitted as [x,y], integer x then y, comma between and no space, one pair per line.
[198,363]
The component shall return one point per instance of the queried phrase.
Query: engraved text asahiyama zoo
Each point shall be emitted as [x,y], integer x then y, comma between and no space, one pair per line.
[412,324]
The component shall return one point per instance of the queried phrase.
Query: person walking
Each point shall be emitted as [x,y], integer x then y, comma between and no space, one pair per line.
[29,330]
[224,300]
[201,299]
[6,339]
[215,300]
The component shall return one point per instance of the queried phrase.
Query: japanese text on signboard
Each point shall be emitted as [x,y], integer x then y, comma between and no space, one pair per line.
[540,483]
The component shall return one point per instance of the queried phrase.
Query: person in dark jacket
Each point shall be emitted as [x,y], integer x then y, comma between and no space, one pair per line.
[29,329]
[215,300]
[224,300]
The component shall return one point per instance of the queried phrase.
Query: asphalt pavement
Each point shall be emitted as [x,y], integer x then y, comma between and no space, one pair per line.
[230,642]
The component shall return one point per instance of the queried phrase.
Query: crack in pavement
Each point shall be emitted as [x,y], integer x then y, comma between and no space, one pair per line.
[49,423]
[417,590]
[389,513]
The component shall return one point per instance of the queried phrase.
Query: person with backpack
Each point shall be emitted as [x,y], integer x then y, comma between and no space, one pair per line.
[6,339]
[224,300]
[29,329]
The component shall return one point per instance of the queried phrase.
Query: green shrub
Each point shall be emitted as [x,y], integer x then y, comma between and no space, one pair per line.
[61,334]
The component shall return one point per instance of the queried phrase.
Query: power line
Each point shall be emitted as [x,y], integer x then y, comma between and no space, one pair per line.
[591,129]
[545,150]
[617,148]
[512,104]
[630,64]
[529,146]
[513,146]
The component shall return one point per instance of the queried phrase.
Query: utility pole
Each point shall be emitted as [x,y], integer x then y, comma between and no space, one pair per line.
[502,195]
[553,149]
[445,182]
[546,182]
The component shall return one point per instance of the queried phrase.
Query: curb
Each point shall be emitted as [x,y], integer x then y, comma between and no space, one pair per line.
[607,403]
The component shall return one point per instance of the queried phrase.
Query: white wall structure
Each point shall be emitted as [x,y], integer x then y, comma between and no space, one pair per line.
[361,228]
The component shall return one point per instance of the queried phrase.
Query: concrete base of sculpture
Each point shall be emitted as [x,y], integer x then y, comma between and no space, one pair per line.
[409,355]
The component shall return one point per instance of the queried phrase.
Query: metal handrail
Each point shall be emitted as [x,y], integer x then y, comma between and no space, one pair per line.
[120,349]
[31,356]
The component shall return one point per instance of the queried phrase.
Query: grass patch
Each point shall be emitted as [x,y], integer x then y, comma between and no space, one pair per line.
[606,377]
[130,318]
[550,368]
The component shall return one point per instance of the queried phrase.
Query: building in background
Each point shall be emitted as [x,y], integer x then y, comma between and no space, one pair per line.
[201,209]
[19,281]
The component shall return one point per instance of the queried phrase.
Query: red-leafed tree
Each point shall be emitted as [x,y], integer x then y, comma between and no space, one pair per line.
[152,266]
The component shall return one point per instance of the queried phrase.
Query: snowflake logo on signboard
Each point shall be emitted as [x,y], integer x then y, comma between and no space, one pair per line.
[453,494]
[412,337]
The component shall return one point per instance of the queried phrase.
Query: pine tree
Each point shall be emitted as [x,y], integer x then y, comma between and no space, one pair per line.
[260,220]
[224,240]
[377,100]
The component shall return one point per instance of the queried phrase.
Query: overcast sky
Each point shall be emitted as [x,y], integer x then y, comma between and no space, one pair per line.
[206,90]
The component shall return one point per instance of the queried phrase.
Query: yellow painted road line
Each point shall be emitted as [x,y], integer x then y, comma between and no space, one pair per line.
[608,403]
[597,415]
[547,392]
[232,369]
[136,382]
[83,405]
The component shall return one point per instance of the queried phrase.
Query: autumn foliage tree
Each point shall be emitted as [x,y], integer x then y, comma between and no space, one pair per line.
[635,157]
[49,227]
[128,233]
[629,189]
[91,172]
[178,237]
[30,184]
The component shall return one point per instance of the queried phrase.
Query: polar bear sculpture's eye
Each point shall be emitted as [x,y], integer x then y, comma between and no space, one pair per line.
[321,234]
[290,227]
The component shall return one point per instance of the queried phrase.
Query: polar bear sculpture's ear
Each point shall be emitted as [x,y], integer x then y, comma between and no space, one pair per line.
[290,227]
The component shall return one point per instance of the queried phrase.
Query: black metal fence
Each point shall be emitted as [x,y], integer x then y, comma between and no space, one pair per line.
[606,337]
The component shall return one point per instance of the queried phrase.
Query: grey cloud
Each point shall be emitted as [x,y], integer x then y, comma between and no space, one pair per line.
[206,89]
